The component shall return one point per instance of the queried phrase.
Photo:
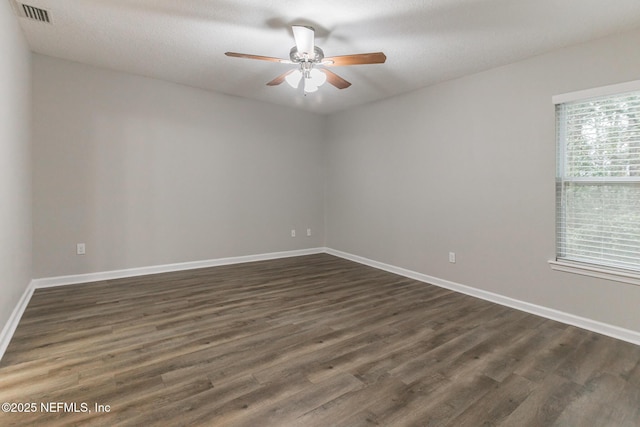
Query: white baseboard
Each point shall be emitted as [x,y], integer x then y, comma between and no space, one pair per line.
[549,313]
[48,282]
[14,319]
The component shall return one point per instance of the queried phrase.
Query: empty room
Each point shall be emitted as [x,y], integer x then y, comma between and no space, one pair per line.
[338,213]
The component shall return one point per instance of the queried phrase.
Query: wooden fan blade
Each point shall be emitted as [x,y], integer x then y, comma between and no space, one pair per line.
[356,59]
[335,79]
[280,78]
[261,58]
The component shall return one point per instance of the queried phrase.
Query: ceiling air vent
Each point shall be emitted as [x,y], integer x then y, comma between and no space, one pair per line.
[33,13]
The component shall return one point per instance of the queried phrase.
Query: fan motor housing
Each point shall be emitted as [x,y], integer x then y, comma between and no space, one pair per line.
[295,56]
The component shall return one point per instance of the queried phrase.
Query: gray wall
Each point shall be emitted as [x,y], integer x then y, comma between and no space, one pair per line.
[469,166]
[148,173]
[15,163]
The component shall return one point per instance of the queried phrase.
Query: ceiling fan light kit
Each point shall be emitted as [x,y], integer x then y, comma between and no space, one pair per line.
[313,79]
[307,56]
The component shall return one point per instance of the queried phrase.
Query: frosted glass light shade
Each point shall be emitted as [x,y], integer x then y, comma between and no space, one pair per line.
[317,77]
[294,78]
[309,86]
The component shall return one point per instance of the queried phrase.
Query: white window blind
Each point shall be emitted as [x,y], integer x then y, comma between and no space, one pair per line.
[598,181]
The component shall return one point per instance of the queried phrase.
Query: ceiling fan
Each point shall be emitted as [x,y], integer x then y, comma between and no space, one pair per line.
[307,56]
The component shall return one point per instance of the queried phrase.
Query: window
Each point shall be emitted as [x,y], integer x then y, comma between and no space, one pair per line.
[598,179]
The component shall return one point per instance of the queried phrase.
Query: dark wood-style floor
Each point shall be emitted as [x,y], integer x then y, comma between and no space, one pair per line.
[306,341]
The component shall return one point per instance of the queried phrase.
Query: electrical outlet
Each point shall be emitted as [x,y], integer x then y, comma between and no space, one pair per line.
[81,249]
[308,232]
[452,257]
[293,233]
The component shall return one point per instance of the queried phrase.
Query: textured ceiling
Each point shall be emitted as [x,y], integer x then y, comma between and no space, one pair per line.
[426,41]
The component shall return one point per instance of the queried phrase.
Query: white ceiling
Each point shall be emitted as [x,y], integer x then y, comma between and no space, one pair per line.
[426,41]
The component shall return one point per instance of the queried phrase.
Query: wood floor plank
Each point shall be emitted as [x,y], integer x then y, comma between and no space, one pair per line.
[545,403]
[496,404]
[596,403]
[306,341]
[520,351]
[341,409]
[284,412]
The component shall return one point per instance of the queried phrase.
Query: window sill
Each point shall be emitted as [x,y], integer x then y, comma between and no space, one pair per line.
[599,272]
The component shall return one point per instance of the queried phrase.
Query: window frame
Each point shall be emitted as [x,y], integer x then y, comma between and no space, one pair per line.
[577,267]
